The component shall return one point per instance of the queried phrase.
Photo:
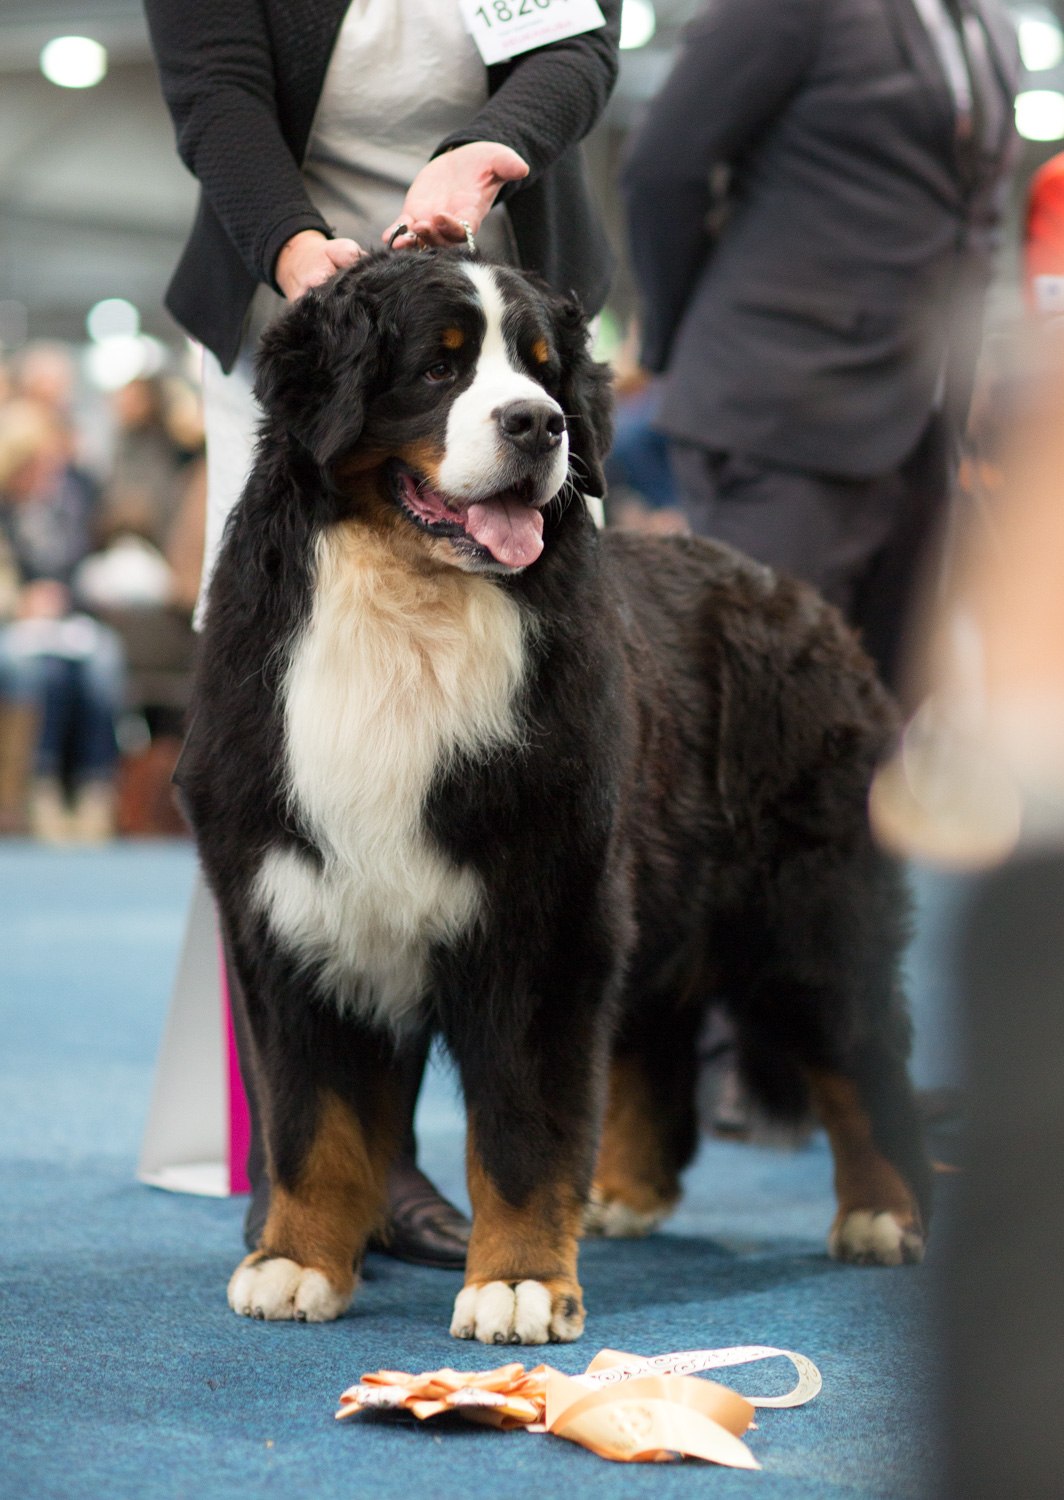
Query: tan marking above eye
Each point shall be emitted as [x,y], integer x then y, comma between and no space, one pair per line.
[453,338]
[540,351]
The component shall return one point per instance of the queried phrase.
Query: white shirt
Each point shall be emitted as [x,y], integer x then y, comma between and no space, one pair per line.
[403,75]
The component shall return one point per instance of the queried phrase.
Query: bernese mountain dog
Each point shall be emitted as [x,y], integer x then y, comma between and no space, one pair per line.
[461,762]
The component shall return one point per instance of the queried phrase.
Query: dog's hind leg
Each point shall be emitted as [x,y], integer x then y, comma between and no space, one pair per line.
[650,1128]
[325,1088]
[821,1018]
[879,1219]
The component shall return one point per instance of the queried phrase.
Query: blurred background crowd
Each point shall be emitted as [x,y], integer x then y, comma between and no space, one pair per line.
[101,442]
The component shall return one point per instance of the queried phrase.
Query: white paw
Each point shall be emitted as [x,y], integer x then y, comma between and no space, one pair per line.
[615,1220]
[279,1289]
[522,1312]
[875,1239]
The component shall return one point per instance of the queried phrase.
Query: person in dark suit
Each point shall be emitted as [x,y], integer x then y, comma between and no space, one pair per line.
[813,204]
[316,128]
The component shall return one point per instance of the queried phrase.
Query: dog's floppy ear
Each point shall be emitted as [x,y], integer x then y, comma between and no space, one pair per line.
[586,396]
[315,364]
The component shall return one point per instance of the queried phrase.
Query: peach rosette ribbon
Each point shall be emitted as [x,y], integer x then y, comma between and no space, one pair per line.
[623,1407]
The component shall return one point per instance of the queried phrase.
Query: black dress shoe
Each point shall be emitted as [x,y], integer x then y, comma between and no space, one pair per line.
[257,1209]
[422,1227]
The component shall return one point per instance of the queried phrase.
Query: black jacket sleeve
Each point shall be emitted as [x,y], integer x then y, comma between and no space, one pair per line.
[740,62]
[217,74]
[543,102]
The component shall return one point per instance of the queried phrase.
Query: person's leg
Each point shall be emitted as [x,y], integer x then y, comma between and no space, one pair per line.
[55,694]
[1000,1282]
[887,596]
[99,688]
[53,687]
[100,697]
[259,1207]
[20,723]
[422,1226]
[815,526]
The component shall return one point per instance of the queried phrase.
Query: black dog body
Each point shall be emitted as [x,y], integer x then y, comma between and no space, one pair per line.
[461,762]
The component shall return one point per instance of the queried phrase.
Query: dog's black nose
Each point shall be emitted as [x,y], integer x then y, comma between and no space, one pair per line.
[533,426]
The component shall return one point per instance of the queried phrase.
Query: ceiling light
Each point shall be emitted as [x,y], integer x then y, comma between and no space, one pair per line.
[638,24]
[73,62]
[115,361]
[1041,43]
[1040,115]
[111,318]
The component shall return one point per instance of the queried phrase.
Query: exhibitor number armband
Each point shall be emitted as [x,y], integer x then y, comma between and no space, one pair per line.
[505,28]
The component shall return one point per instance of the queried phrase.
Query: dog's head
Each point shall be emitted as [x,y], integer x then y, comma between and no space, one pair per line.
[440,393]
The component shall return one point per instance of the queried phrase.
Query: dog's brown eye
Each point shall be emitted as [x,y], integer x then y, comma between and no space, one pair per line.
[441,370]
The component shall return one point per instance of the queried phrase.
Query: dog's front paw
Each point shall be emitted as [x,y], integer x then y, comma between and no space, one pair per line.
[519,1312]
[870,1237]
[271,1287]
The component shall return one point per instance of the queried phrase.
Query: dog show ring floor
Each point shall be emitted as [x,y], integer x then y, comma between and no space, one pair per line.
[126,1376]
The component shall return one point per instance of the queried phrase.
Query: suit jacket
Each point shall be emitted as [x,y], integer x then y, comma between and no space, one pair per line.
[813,329]
[242,80]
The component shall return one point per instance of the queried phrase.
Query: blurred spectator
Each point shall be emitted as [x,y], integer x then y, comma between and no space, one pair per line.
[185,544]
[640,488]
[813,204]
[149,462]
[45,373]
[49,507]
[61,672]
[128,572]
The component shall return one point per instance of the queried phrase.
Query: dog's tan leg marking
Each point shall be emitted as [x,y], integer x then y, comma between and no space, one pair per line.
[878,1220]
[521,1285]
[304,1267]
[635,1185]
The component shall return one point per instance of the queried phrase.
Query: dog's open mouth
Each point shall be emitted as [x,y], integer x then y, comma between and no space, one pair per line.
[506,526]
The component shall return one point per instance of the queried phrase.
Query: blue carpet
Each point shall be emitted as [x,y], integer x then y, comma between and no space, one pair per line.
[125,1374]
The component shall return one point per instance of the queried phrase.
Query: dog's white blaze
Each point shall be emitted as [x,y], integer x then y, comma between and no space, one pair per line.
[396,672]
[475,453]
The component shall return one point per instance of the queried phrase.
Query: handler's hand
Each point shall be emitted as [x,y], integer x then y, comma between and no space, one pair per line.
[460,184]
[308,259]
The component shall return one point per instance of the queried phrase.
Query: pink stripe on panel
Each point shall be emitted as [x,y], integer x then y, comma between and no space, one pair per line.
[239,1114]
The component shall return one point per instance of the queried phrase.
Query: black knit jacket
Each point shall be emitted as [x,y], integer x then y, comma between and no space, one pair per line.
[242,80]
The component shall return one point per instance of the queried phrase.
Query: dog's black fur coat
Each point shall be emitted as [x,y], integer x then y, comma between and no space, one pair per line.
[683,821]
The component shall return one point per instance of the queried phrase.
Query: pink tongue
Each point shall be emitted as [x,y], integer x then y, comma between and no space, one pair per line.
[512,532]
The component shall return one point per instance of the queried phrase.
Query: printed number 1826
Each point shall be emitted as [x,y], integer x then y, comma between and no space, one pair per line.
[510,10]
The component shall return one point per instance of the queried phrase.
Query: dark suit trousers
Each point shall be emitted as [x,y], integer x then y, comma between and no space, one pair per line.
[1000,1277]
[868,545]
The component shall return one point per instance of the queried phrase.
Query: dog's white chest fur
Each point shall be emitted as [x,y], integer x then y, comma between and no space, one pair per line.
[396,672]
